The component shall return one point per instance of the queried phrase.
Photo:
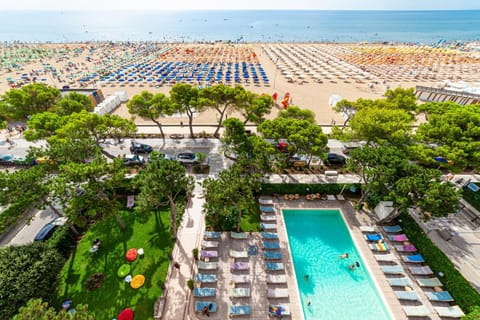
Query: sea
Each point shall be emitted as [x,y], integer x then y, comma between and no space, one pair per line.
[418,27]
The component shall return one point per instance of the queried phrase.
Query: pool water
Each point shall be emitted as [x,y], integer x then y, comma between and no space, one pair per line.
[317,239]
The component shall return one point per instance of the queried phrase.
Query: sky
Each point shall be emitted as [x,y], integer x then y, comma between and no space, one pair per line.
[65,5]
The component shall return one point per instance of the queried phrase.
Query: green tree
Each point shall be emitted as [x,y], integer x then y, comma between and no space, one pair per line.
[294,112]
[185,98]
[43,125]
[254,107]
[40,310]
[403,99]
[346,108]
[73,102]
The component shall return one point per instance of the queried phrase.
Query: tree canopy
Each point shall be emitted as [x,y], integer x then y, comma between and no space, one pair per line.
[73,102]
[40,310]
[185,98]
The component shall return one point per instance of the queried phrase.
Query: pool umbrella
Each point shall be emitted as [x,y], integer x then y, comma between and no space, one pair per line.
[125,314]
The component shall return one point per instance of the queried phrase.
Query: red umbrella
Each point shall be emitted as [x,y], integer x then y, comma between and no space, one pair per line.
[125,314]
[275,96]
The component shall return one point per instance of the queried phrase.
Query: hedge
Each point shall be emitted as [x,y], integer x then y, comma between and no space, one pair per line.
[460,289]
[472,197]
[322,188]
[63,240]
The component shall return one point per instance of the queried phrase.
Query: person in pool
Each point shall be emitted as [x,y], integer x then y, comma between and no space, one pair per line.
[344,256]
[352,267]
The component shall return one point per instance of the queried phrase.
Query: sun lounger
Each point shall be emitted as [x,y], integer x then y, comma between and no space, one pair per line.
[379,247]
[240,292]
[207,265]
[265,202]
[240,278]
[432,282]
[393,270]
[238,254]
[277,293]
[239,235]
[268,218]
[130,201]
[204,292]
[269,235]
[277,310]
[392,229]
[210,244]
[399,282]
[424,271]
[267,209]
[271,245]
[398,238]
[406,248]
[206,278]
[239,266]
[389,257]
[209,254]
[276,279]
[368,229]
[416,311]
[200,305]
[272,255]
[211,235]
[416,258]
[407,295]
[450,312]
[439,296]
[268,226]
[274,266]
[240,310]
[373,236]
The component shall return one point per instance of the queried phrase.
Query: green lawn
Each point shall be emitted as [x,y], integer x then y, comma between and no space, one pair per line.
[150,232]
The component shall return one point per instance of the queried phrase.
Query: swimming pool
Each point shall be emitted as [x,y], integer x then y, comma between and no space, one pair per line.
[317,238]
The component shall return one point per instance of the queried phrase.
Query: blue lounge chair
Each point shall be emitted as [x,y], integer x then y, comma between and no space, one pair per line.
[416,258]
[269,235]
[240,310]
[439,296]
[399,282]
[268,226]
[200,305]
[211,235]
[274,266]
[267,209]
[392,229]
[272,255]
[271,245]
[204,292]
[206,278]
[407,295]
[373,237]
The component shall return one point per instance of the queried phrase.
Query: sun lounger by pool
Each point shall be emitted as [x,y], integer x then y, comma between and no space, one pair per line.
[239,235]
[211,235]
[267,218]
[240,310]
[379,247]
[368,229]
[209,254]
[407,295]
[393,270]
[274,266]
[373,236]
[277,293]
[206,278]
[207,265]
[416,311]
[406,248]
[450,312]
[439,296]
[265,202]
[269,235]
[272,255]
[416,258]
[210,244]
[240,292]
[238,254]
[276,279]
[267,245]
[268,226]
[267,209]
[424,271]
[432,282]
[392,229]
[389,257]
[240,278]
[398,238]
[277,310]
[204,292]
[239,266]
[200,305]
[399,282]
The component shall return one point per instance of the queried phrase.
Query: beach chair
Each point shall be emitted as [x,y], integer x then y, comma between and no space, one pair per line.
[416,311]
[393,269]
[267,218]
[277,293]
[389,257]
[274,266]
[406,248]
[439,296]
[267,209]
[398,238]
[267,245]
[239,311]
[239,266]
[421,271]
[450,312]
[206,278]
[210,244]
[265,202]
[200,306]
[269,236]
[407,295]
[379,247]
[416,258]
[240,292]
[268,226]
[368,229]
[399,282]
[392,229]
[240,278]
[429,283]
[204,292]
[130,201]
[276,279]
[238,254]
[373,237]
[211,235]
[207,265]
[208,254]
[277,310]
[238,235]
[272,255]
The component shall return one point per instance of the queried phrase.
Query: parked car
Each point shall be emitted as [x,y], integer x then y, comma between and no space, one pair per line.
[298,160]
[133,160]
[347,147]
[336,159]
[47,230]
[9,159]
[140,148]
[187,158]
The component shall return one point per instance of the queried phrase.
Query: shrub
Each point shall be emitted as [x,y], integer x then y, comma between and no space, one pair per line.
[195,253]
[191,284]
[286,188]
[63,241]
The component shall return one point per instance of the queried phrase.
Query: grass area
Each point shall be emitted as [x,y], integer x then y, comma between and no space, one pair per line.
[150,232]
[250,220]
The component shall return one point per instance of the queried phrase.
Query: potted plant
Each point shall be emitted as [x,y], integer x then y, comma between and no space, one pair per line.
[190,284]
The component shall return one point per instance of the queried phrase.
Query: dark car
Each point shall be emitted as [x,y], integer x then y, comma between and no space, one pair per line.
[336,159]
[187,158]
[140,148]
[133,159]
[47,231]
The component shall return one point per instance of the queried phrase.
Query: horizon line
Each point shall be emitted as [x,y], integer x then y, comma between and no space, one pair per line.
[233,9]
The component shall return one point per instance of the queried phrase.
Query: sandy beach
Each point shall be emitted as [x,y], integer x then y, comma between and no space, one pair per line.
[311,73]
